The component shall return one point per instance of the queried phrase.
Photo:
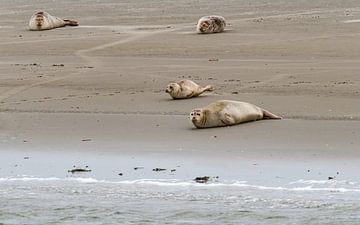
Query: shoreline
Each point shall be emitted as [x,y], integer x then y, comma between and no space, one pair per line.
[98,90]
[262,152]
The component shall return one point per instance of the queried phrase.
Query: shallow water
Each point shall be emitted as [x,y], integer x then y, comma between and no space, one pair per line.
[29,200]
[239,191]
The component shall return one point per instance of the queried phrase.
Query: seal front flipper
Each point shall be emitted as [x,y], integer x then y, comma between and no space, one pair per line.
[191,94]
[227,119]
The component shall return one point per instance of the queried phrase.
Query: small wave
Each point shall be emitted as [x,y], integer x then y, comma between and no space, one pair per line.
[311,188]
[332,182]
[311,185]
[104,26]
[29,179]
[351,21]
[127,28]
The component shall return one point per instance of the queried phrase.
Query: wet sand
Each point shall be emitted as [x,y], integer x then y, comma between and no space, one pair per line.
[98,88]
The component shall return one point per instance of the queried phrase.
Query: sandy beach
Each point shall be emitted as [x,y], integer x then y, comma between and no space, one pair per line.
[95,94]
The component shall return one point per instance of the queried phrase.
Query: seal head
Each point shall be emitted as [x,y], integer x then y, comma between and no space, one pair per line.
[204,26]
[172,88]
[39,19]
[211,24]
[198,117]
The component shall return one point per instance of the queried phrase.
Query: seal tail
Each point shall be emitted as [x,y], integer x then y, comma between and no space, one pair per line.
[209,88]
[71,23]
[269,115]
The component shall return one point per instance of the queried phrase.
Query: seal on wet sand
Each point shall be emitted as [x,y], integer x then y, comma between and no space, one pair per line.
[45,21]
[211,24]
[186,89]
[226,113]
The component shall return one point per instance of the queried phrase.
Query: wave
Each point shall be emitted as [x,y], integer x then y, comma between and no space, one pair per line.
[1,27]
[300,185]
[351,21]
[332,182]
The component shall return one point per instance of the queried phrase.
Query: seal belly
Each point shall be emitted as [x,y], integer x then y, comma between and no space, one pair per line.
[243,112]
[55,22]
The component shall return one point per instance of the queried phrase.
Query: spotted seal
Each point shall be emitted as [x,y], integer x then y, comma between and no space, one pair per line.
[186,89]
[227,113]
[45,21]
[211,24]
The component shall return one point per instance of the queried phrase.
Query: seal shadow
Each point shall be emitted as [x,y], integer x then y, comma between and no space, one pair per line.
[233,126]
[203,34]
[184,99]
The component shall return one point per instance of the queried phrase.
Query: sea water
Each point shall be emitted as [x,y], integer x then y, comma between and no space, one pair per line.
[39,188]
[76,200]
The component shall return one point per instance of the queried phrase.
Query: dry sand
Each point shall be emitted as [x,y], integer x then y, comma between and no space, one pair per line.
[99,88]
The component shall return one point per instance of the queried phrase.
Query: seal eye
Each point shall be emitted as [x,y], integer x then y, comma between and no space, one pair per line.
[198,114]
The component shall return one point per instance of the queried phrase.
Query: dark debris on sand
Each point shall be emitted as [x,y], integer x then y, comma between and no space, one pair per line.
[79,170]
[204,179]
[158,169]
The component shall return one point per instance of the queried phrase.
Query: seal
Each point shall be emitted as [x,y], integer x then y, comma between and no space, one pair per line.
[186,89]
[226,113]
[211,24]
[45,21]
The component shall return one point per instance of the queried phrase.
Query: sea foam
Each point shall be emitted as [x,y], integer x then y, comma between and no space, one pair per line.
[300,185]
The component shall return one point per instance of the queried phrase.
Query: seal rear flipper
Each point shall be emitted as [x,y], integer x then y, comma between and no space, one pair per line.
[209,88]
[269,115]
[71,23]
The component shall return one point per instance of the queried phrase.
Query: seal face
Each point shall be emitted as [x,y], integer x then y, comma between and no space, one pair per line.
[186,89]
[227,113]
[39,20]
[45,21]
[211,24]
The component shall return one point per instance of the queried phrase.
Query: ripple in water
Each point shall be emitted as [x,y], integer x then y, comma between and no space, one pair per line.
[90,201]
